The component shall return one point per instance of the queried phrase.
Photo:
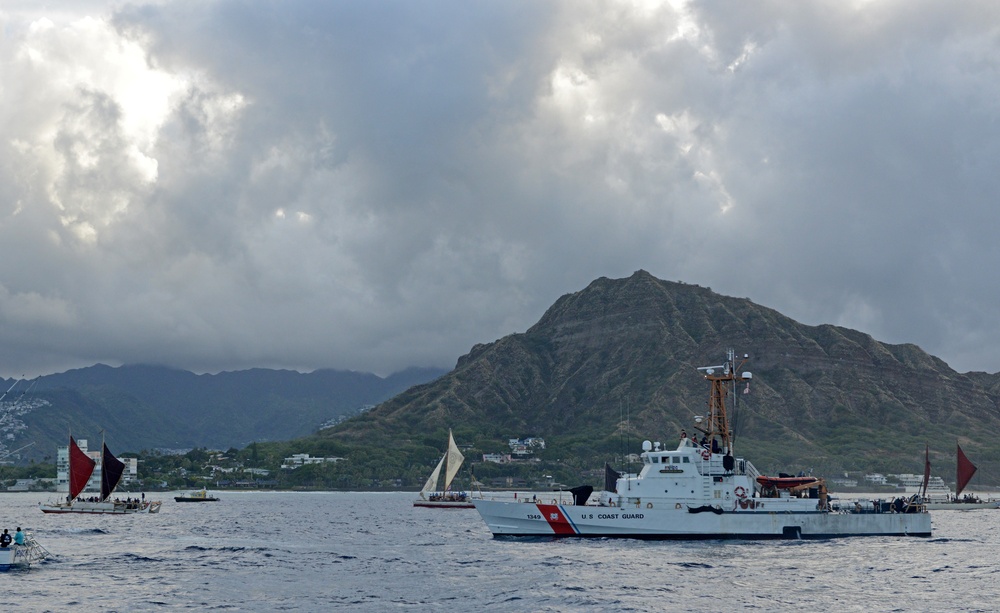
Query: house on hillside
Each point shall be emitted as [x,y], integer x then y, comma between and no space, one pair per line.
[30,485]
[535,442]
[301,459]
[497,458]
[844,481]
[525,447]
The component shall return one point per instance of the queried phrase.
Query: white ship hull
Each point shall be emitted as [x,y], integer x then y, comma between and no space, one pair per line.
[10,557]
[527,519]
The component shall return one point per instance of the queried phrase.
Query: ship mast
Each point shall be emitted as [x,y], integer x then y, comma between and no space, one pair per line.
[723,379]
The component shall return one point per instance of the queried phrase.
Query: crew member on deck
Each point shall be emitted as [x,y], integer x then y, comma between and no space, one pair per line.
[19,536]
[5,539]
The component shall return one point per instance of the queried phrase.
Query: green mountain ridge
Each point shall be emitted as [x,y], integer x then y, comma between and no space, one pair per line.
[151,407]
[614,364]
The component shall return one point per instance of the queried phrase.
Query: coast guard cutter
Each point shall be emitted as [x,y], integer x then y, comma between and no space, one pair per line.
[701,490]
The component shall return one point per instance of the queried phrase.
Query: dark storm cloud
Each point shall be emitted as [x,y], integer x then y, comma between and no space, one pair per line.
[220,185]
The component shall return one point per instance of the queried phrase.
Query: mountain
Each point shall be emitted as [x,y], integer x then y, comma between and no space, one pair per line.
[615,363]
[145,407]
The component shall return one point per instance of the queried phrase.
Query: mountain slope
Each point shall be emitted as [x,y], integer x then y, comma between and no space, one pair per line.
[616,363]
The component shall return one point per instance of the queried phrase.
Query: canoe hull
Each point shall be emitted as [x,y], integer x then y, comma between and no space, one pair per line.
[100,508]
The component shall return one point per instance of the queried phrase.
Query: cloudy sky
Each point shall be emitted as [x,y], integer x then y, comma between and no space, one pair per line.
[224,184]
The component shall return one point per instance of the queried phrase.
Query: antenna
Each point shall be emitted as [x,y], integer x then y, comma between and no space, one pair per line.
[628,427]
[722,385]
[621,434]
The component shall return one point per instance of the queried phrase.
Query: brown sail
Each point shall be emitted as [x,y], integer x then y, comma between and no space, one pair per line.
[965,471]
[81,466]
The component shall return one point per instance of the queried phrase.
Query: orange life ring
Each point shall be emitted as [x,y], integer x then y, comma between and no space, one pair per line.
[705,454]
[740,491]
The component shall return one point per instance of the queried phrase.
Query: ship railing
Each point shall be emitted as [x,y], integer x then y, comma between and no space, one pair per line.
[879,506]
[748,469]
[741,467]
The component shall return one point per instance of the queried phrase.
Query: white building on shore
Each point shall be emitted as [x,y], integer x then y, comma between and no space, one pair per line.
[130,476]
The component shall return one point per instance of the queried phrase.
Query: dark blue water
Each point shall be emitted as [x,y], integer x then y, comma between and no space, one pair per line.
[375,552]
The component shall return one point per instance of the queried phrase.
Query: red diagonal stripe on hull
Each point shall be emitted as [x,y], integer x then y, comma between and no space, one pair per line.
[556,519]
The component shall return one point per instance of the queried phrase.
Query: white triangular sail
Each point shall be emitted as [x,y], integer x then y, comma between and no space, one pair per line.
[455,459]
[432,481]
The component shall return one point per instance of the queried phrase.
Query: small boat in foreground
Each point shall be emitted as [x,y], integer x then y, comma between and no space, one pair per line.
[964,472]
[430,497]
[196,496]
[22,556]
[701,490]
[81,467]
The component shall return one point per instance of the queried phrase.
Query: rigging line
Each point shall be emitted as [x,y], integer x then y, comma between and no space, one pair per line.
[12,386]
[621,431]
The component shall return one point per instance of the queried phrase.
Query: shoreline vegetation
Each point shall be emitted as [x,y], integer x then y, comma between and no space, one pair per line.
[268,466]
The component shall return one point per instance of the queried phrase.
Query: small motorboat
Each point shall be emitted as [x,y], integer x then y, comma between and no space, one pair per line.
[198,496]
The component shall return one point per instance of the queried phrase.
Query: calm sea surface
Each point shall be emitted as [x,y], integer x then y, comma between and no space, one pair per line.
[258,551]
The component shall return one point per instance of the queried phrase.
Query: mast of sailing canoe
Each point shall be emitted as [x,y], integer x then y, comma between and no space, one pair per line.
[104,474]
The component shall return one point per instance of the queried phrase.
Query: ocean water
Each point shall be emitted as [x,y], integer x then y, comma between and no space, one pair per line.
[272,551]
